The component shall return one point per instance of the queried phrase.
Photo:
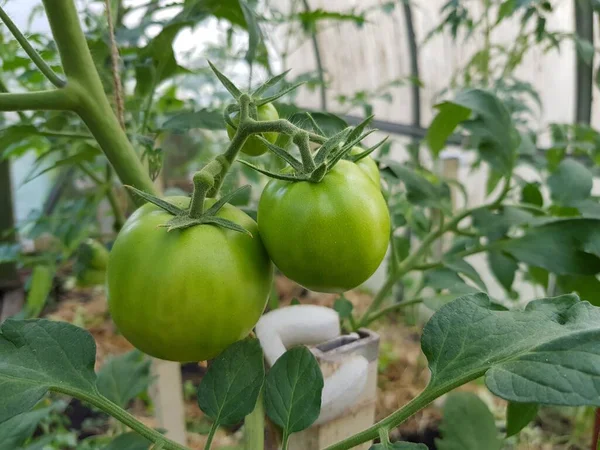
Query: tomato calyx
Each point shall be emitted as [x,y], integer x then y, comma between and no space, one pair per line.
[185,218]
[313,167]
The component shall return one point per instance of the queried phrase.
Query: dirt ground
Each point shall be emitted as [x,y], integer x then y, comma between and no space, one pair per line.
[403,373]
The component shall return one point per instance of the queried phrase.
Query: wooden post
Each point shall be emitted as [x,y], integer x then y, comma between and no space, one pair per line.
[167,396]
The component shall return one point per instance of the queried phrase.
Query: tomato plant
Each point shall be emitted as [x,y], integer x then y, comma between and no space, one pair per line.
[188,278]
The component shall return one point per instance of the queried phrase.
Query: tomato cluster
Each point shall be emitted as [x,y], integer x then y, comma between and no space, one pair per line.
[188,294]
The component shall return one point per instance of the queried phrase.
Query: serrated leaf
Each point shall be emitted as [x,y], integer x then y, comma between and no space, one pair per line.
[549,353]
[124,377]
[39,355]
[205,119]
[293,390]
[230,388]
[518,416]
[467,424]
[128,441]
[571,182]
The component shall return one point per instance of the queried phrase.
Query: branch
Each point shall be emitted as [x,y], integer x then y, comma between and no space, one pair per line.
[35,56]
[51,100]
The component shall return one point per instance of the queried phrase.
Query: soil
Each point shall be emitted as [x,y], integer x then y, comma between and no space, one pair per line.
[403,374]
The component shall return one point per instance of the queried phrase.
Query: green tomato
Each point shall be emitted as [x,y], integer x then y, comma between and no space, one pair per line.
[186,295]
[329,236]
[368,165]
[253,146]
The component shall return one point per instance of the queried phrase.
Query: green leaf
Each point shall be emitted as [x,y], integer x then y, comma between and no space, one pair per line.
[444,124]
[586,286]
[549,353]
[42,443]
[461,266]
[293,390]
[128,441]
[124,377]
[506,10]
[254,34]
[420,190]
[40,286]
[230,388]
[205,119]
[467,424]
[38,355]
[310,18]
[9,253]
[491,128]
[571,182]
[226,82]
[531,194]
[504,268]
[87,153]
[343,307]
[399,446]
[518,415]
[15,431]
[496,224]
[567,246]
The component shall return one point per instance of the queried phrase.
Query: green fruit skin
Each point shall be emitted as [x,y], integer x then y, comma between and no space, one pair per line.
[186,295]
[329,236]
[91,277]
[253,146]
[368,165]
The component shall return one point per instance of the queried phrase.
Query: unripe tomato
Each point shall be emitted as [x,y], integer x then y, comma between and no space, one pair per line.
[253,146]
[328,236]
[368,165]
[186,295]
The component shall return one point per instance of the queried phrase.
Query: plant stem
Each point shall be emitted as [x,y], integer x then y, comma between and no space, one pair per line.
[91,104]
[285,440]
[50,100]
[254,427]
[35,56]
[211,435]
[388,309]
[64,134]
[318,60]
[122,416]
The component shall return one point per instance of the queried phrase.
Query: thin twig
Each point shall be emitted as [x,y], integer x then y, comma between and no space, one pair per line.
[35,56]
[114,57]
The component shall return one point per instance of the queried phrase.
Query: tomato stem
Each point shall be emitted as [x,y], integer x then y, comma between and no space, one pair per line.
[211,435]
[301,139]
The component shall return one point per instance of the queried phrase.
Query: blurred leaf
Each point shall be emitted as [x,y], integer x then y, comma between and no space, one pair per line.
[293,390]
[343,307]
[567,246]
[420,186]
[9,253]
[461,266]
[230,388]
[15,431]
[586,286]
[129,441]
[310,18]
[124,377]
[330,124]
[40,286]
[531,194]
[518,416]
[504,268]
[254,34]
[506,10]
[206,119]
[467,424]
[399,446]
[444,123]
[571,182]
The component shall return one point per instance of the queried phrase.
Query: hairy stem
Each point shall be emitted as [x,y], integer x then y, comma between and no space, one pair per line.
[123,416]
[35,56]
